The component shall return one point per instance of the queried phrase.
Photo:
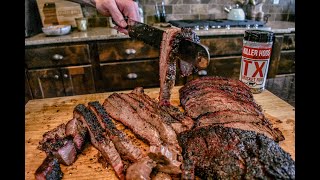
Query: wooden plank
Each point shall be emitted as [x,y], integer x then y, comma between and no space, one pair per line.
[42,115]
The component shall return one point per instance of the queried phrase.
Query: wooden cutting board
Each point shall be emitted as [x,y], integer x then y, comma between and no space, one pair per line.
[43,115]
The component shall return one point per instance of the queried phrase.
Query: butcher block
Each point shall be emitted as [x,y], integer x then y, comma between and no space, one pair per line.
[42,115]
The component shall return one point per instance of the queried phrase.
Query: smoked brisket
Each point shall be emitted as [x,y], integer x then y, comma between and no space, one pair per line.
[227,102]
[217,152]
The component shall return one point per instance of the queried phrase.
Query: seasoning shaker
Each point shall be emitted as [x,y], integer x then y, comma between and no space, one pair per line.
[256,53]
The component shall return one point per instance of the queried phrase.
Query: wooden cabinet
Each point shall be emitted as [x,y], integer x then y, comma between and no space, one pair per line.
[55,71]
[27,90]
[120,64]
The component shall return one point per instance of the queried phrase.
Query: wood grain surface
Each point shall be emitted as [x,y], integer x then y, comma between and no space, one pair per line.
[42,115]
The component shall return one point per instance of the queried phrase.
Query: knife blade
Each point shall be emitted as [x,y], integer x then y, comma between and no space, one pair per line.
[189,51]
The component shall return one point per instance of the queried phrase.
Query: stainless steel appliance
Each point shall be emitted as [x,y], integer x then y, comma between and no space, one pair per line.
[217,24]
[32,21]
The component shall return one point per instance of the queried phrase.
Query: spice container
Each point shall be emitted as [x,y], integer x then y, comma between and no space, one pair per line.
[256,52]
[82,24]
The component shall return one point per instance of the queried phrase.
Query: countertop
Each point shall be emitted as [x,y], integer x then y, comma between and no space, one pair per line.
[105,33]
[42,115]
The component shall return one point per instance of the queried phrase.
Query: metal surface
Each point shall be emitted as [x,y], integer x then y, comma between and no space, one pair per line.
[189,51]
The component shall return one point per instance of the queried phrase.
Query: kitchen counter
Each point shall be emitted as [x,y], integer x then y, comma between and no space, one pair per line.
[105,33]
[42,115]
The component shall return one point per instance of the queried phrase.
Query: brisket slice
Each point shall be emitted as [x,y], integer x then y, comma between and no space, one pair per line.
[127,150]
[169,114]
[166,132]
[121,111]
[140,170]
[229,153]
[49,169]
[78,132]
[99,139]
[241,120]
[55,142]
[161,176]
[214,102]
[215,80]
[167,64]
[229,91]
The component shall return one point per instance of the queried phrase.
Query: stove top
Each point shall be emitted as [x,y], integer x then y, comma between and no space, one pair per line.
[216,24]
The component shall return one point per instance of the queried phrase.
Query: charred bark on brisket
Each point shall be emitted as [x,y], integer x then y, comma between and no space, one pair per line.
[228,153]
[99,139]
[56,143]
[49,169]
[127,150]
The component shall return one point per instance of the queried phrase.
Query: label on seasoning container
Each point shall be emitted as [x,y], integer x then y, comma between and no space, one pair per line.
[254,63]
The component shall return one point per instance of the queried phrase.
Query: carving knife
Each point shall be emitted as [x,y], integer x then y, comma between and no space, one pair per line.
[189,51]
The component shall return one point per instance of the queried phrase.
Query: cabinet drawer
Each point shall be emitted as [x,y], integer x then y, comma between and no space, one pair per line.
[129,75]
[289,42]
[223,45]
[126,49]
[223,66]
[287,62]
[52,56]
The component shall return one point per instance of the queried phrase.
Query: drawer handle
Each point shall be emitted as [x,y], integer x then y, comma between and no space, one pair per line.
[202,73]
[65,75]
[132,76]
[56,76]
[130,51]
[57,57]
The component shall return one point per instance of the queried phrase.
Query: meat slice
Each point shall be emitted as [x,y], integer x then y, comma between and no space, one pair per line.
[227,102]
[127,150]
[140,170]
[121,111]
[236,93]
[166,132]
[55,142]
[99,139]
[161,176]
[49,169]
[188,170]
[169,114]
[167,64]
[219,152]
[78,132]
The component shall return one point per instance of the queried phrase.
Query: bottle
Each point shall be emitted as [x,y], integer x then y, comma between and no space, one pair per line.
[140,9]
[157,13]
[162,13]
[256,53]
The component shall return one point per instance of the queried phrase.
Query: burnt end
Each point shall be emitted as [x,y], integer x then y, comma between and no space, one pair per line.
[49,169]
[187,170]
[228,153]
[53,139]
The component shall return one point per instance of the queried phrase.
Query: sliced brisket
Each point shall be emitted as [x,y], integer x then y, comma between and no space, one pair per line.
[219,152]
[122,111]
[169,114]
[166,132]
[227,102]
[127,150]
[78,132]
[49,169]
[167,64]
[140,170]
[55,142]
[99,139]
